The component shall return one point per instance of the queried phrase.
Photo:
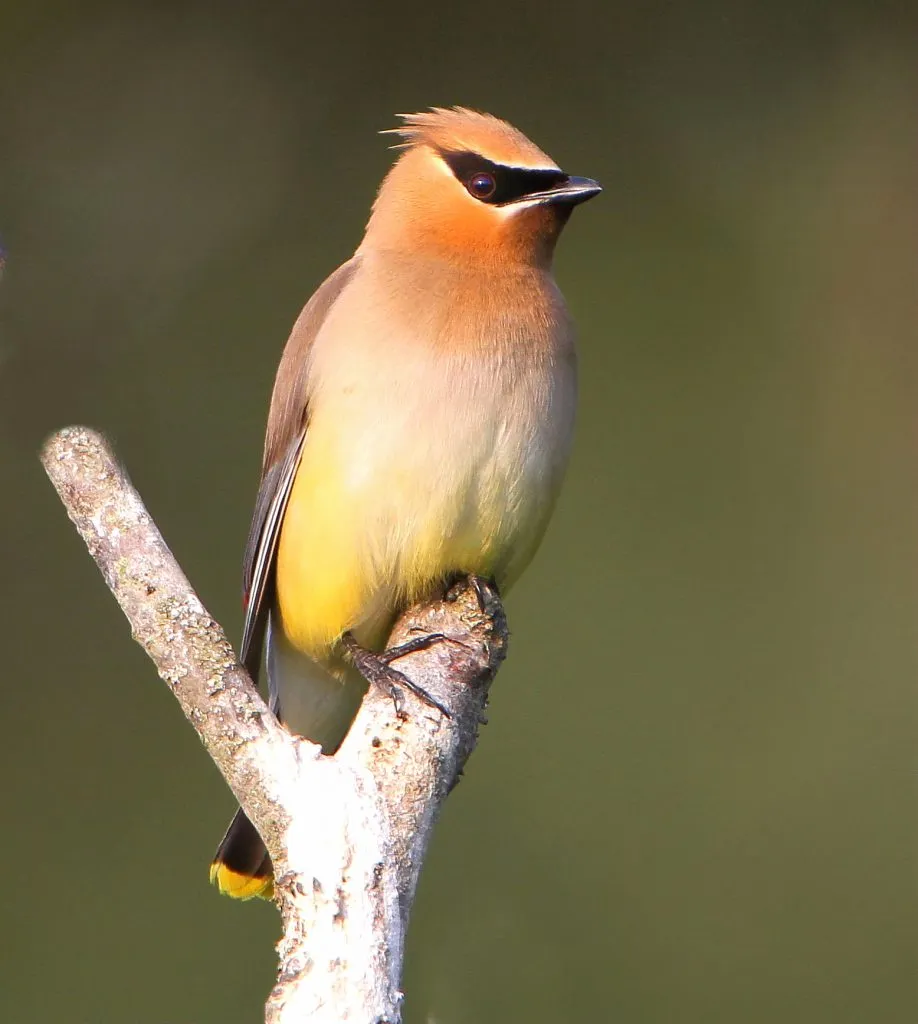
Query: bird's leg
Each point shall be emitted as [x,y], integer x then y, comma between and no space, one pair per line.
[376,669]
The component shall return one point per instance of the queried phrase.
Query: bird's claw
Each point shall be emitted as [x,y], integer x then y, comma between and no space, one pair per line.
[377,671]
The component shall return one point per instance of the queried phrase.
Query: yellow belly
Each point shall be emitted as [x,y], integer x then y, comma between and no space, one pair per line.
[356,549]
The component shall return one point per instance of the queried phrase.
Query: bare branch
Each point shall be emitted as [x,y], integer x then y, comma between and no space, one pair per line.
[347,834]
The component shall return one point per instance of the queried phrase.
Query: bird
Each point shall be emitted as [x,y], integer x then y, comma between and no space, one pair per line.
[419,426]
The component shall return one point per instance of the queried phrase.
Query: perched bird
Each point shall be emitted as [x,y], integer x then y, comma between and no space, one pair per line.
[419,427]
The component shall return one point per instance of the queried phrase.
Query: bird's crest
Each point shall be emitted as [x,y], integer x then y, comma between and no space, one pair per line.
[458,129]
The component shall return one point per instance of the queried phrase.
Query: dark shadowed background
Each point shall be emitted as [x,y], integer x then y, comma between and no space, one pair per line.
[694,802]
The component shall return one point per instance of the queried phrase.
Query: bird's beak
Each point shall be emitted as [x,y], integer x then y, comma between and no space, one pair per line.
[570,192]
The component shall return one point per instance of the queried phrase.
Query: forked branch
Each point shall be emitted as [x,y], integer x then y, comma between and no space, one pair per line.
[347,833]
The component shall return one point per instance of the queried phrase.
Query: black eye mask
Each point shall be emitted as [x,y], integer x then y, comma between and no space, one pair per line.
[510,183]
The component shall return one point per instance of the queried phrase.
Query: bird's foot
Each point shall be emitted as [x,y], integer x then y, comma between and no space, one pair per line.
[377,669]
[485,590]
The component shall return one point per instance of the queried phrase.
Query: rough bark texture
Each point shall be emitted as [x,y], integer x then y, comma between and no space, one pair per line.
[347,833]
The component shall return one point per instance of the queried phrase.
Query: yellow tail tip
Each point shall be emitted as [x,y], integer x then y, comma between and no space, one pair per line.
[239,886]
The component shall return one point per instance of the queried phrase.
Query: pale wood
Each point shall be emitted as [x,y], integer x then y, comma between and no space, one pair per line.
[347,833]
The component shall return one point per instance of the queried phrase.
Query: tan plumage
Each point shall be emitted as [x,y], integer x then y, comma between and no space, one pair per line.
[459,128]
[420,422]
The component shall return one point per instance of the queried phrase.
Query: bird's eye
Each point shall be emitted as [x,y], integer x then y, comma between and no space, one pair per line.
[482,186]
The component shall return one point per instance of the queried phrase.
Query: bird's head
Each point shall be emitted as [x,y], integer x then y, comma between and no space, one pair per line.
[472,188]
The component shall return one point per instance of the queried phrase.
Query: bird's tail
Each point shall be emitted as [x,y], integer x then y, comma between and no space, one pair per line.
[315,703]
[241,866]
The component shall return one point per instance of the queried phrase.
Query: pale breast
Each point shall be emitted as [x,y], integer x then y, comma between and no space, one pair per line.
[437,438]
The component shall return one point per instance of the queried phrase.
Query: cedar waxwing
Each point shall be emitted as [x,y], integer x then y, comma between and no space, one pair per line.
[419,427]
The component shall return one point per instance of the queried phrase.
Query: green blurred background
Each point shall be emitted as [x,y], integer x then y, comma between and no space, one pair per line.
[694,802]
